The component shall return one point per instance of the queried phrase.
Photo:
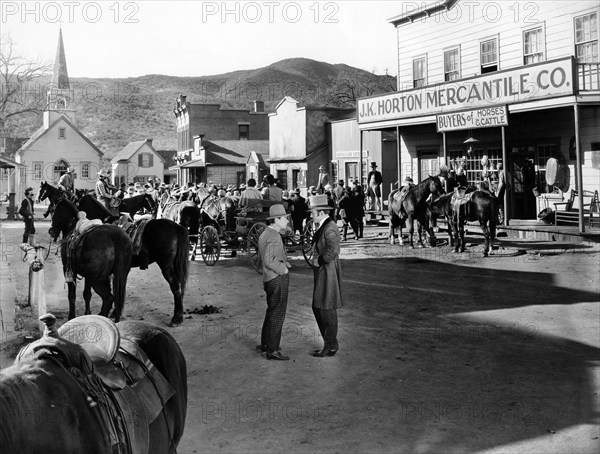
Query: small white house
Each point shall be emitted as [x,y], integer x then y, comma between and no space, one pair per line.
[137,162]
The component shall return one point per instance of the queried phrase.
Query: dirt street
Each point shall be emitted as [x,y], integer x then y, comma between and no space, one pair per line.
[439,352]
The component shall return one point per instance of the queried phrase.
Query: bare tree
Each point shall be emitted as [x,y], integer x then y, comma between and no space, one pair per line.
[18,78]
[348,90]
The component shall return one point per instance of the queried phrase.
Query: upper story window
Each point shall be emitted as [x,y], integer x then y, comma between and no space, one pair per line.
[62,133]
[451,65]
[419,72]
[586,38]
[488,50]
[534,45]
[244,131]
[145,159]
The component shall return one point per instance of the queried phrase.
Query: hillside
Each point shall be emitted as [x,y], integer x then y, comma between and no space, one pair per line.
[114,112]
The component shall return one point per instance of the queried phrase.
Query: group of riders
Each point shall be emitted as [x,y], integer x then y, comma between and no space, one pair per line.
[347,201]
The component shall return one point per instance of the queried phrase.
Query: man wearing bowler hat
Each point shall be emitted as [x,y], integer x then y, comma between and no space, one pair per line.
[375,180]
[327,291]
[276,280]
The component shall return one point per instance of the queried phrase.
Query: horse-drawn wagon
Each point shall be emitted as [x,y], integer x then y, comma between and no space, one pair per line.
[225,227]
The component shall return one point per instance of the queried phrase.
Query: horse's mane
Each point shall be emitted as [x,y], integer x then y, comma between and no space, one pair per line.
[19,400]
[96,204]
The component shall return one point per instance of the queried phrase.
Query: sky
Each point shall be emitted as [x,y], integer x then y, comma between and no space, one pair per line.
[119,39]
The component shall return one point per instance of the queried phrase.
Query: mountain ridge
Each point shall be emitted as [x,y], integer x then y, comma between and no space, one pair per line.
[112,112]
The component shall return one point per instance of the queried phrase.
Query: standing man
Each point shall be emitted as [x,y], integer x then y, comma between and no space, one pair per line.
[375,180]
[323,180]
[327,291]
[276,280]
[103,190]
[298,209]
[26,211]
[502,187]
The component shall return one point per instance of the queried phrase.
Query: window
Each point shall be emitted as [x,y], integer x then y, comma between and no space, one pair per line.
[62,133]
[586,38]
[244,130]
[489,55]
[451,65]
[419,72]
[145,160]
[282,177]
[533,45]
[37,171]
[544,152]
[85,170]
[295,178]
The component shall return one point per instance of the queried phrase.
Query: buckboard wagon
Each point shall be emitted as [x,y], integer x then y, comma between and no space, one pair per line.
[239,232]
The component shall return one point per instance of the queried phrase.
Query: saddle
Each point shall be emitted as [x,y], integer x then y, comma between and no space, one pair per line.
[135,230]
[459,197]
[128,377]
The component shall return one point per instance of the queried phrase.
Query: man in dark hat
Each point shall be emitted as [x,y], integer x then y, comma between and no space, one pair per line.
[276,281]
[299,208]
[26,211]
[375,180]
[327,290]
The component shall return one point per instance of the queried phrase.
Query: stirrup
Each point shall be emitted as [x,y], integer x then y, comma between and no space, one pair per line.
[69,277]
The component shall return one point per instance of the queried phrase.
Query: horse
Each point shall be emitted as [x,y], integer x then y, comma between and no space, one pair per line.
[414,206]
[54,195]
[185,213]
[97,254]
[164,242]
[136,203]
[55,400]
[479,206]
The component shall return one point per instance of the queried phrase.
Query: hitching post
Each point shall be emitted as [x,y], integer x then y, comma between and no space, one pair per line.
[37,294]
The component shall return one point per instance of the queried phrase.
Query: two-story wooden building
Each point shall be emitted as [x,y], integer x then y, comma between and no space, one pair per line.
[299,142]
[515,81]
[211,122]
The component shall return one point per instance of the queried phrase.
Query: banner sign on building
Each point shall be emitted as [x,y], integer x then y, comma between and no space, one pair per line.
[486,117]
[523,84]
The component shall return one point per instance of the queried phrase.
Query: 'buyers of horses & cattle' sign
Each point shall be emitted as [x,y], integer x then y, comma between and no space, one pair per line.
[486,117]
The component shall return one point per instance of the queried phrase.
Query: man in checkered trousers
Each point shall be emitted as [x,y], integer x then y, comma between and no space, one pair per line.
[276,280]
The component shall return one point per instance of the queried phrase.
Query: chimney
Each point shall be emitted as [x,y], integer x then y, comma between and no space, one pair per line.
[149,142]
[259,106]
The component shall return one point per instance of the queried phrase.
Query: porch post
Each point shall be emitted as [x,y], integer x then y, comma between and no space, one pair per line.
[505,170]
[444,151]
[360,160]
[578,170]
[398,156]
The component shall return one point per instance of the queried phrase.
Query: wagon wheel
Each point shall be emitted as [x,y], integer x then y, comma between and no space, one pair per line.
[308,249]
[252,245]
[210,245]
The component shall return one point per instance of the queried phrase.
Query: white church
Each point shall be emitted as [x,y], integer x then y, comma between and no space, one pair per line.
[57,144]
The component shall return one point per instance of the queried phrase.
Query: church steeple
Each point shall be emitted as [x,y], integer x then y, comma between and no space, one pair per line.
[60,77]
[58,96]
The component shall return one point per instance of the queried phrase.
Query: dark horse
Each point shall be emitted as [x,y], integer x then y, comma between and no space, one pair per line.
[163,242]
[99,253]
[136,203]
[478,206]
[184,213]
[53,400]
[414,206]
[54,195]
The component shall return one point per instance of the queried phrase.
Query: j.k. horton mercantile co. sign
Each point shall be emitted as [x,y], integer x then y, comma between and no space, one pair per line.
[545,80]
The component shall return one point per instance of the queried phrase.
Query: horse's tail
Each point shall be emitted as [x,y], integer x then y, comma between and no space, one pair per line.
[180,263]
[122,266]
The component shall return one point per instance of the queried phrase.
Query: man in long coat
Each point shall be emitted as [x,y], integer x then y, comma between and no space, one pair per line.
[374,192]
[327,291]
